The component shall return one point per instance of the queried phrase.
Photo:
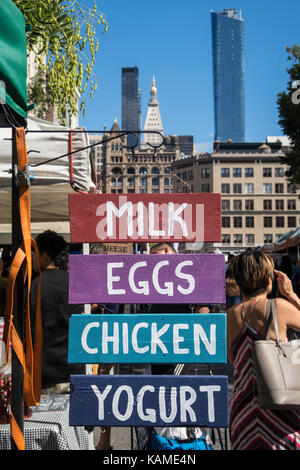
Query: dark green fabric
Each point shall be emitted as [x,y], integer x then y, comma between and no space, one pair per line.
[13,57]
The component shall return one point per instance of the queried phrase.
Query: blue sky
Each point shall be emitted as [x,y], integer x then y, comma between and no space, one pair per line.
[172,40]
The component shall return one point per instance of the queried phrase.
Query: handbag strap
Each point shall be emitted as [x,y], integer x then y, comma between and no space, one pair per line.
[271,313]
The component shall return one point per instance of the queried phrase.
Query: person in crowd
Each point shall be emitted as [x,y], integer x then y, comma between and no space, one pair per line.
[292,271]
[104,442]
[6,260]
[165,249]
[230,260]
[233,295]
[168,249]
[56,312]
[253,428]
[232,291]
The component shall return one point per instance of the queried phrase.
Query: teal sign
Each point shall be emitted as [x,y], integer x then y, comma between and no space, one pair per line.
[146,338]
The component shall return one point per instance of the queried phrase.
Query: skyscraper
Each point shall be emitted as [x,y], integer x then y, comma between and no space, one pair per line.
[228,74]
[131,102]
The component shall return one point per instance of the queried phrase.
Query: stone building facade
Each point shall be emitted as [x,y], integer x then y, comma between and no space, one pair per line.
[259,205]
[137,170]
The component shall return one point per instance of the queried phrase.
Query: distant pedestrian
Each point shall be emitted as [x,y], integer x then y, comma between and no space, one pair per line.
[56,312]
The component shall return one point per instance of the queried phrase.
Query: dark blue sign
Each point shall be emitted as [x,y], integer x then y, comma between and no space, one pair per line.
[143,400]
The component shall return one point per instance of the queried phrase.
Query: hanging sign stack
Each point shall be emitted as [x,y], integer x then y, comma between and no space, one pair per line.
[164,338]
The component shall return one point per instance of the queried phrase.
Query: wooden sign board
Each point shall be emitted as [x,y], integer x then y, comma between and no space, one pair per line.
[158,338]
[115,248]
[145,217]
[184,278]
[143,400]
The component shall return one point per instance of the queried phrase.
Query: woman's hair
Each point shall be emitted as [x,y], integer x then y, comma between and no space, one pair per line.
[252,270]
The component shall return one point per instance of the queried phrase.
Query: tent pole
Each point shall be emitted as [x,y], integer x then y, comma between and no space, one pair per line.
[17,392]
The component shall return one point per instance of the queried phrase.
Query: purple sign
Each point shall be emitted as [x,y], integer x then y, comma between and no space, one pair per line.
[186,279]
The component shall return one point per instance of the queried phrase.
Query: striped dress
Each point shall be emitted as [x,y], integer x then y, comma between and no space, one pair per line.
[253,428]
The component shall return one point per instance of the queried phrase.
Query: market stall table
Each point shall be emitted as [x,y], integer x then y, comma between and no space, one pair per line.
[48,428]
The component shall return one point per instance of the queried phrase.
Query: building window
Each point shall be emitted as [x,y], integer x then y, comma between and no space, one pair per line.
[237,172]
[278,188]
[268,222]
[155,190]
[250,222]
[130,182]
[267,172]
[226,238]
[237,204]
[279,172]
[225,188]
[237,222]
[143,170]
[291,204]
[249,188]
[225,172]
[249,239]
[143,181]
[166,181]
[268,238]
[237,238]
[155,181]
[267,204]
[291,221]
[279,221]
[225,205]
[279,204]
[155,170]
[225,222]
[205,188]
[205,173]
[190,175]
[249,204]
[184,176]
[267,188]
[237,188]
[143,191]
[249,172]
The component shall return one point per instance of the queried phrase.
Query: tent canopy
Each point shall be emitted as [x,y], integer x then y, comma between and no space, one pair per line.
[13,58]
[288,240]
[51,182]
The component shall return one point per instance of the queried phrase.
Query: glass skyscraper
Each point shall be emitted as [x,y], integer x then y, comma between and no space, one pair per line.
[131,102]
[228,38]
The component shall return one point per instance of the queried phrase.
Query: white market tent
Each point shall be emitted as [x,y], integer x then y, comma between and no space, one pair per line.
[50,183]
[288,240]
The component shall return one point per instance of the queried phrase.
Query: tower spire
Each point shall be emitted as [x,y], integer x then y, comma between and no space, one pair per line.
[153,119]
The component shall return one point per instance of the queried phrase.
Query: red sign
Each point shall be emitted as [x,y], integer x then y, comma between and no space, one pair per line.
[145,217]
